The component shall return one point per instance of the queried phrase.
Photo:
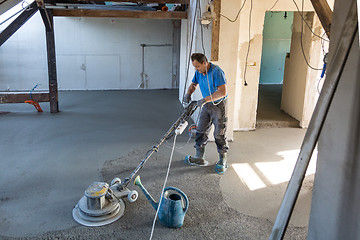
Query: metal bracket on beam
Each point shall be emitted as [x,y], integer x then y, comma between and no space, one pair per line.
[40,3]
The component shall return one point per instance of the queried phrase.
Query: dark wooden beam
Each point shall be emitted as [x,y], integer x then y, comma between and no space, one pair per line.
[46,19]
[18,22]
[153,1]
[20,97]
[324,13]
[216,31]
[51,57]
[119,14]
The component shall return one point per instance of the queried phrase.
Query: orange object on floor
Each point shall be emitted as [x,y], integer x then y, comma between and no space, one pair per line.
[36,105]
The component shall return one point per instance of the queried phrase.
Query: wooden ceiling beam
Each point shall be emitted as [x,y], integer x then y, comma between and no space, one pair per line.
[132,1]
[148,1]
[119,14]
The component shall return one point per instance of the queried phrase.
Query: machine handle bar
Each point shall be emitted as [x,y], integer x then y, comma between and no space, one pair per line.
[189,110]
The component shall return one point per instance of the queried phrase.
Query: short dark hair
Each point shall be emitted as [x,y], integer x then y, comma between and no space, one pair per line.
[198,57]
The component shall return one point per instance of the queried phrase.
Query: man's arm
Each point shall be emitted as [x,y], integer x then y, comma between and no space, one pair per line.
[191,88]
[220,93]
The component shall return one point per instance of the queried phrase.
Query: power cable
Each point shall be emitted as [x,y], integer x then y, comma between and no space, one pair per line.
[162,191]
[206,70]
[201,31]
[301,14]
[196,123]
[33,90]
[318,84]
[301,38]
[191,44]
[248,49]
[323,44]
[26,8]
[273,6]
[237,15]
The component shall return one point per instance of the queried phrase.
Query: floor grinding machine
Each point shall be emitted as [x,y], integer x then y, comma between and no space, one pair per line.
[103,203]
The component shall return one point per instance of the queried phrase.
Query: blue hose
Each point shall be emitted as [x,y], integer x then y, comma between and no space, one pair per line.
[33,90]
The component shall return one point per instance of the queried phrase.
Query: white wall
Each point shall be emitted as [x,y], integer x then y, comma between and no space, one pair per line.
[245,104]
[299,93]
[92,53]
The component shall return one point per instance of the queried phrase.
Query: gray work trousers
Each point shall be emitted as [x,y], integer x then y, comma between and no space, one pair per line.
[217,115]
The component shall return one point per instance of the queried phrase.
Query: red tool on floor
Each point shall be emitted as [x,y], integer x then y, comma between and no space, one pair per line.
[36,105]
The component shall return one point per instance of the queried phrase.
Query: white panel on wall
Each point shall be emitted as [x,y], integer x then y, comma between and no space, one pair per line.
[159,75]
[71,72]
[68,37]
[102,72]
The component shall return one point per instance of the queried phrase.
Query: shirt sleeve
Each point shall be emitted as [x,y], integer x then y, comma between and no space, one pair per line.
[219,76]
[194,80]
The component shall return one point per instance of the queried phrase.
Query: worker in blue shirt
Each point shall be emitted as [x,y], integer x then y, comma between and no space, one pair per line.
[212,82]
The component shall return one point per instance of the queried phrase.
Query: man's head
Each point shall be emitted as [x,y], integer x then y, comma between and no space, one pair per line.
[200,62]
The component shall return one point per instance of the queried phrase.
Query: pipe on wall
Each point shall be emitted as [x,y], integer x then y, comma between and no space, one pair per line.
[144,77]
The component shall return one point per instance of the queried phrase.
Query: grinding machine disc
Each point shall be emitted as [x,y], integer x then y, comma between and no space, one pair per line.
[91,220]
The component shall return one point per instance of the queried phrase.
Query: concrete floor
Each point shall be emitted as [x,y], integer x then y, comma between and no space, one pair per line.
[269,114]
[48,160]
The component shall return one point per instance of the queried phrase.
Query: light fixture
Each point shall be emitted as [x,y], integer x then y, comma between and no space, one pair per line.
[208,16]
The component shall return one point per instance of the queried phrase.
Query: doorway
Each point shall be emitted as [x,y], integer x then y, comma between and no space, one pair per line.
[277,36]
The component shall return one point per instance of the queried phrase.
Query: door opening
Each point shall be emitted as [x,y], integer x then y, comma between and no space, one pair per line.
[277,36]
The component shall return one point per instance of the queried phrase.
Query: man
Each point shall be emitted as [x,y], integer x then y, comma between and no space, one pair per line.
[212,82]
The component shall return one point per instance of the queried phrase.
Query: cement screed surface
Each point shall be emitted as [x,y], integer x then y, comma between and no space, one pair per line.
[48,160]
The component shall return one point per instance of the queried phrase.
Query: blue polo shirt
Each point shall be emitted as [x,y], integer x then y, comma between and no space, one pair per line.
[215,77]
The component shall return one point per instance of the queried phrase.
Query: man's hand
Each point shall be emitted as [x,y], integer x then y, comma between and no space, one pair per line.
[201,102]
[187,98]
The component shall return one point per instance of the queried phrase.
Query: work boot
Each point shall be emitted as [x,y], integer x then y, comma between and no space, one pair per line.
[198,159]
[221,166]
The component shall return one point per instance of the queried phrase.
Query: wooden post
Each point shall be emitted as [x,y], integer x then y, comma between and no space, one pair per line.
[46,20]
[216,32]
[176,52]
[51,56]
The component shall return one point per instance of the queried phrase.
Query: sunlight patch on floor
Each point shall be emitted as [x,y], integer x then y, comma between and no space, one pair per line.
[274,172]
[248,176]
